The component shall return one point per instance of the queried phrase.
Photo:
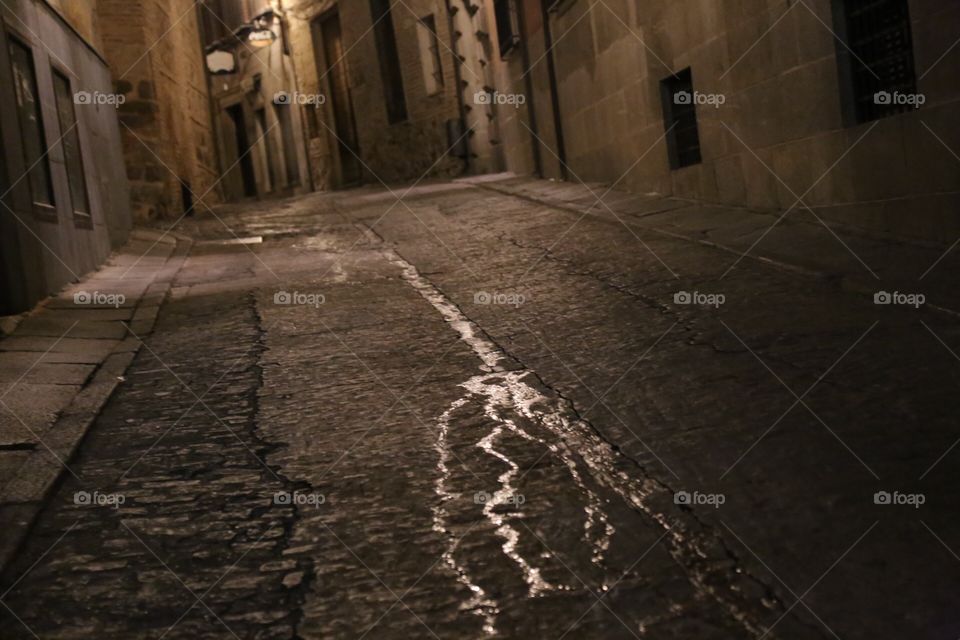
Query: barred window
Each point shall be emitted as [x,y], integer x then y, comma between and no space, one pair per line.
[875,53]
[508,25]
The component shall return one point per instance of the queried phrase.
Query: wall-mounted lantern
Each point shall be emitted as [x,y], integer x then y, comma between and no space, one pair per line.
[221,62]
[261,38]
[261,33]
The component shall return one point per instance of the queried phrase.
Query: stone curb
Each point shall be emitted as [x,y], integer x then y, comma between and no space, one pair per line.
[25,496]
[848,282]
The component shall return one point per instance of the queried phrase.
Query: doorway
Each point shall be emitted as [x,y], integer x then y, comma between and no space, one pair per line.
[290,160]
[248,177]
[327,37]
[8,245]
[265,151]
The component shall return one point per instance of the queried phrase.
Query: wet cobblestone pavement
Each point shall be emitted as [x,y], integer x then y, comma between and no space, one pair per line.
[473,422]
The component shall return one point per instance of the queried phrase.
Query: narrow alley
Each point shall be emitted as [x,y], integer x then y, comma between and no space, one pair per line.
[365,416]
[479,319]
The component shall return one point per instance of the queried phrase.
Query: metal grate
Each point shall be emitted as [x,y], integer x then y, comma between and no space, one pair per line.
[881,50]
[680,119]
[508,31]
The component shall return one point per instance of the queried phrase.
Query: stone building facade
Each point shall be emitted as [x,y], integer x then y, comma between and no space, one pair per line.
[849,106]
[394,110]
[259,113]
[64,199]
[154,50]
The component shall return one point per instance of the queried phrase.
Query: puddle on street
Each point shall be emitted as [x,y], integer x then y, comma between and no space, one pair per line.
[515,403]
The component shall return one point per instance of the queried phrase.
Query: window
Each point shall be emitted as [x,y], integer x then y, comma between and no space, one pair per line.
[31,125]
[680,119]
[508,25]
[875,54]
[70,140]
[389,59]
[430,54]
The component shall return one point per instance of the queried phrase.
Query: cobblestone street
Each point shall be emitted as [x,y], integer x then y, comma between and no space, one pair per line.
[448,417]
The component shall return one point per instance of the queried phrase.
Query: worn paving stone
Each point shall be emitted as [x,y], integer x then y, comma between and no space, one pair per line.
[28,409]
[195,506]
[431,494]
[56,325]
[31,367]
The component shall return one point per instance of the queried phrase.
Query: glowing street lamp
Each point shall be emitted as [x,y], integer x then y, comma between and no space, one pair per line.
[259,38]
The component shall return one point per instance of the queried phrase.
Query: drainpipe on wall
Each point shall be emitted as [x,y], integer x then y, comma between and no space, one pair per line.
[287,42]
[554,94]
[214,121]
[531,105]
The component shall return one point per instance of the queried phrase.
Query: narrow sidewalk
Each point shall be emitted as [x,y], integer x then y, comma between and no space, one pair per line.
[62,362]
[799,240]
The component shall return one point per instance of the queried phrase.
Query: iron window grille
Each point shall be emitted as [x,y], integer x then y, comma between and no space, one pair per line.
[875,56]
[508,25]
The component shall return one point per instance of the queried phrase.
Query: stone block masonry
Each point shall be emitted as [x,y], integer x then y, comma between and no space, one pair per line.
[157,62]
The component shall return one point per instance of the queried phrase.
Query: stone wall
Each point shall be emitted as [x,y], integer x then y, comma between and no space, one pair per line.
[154,51]
[390,152]
[81,16]
[781,128]
[272,110]
[46,244]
